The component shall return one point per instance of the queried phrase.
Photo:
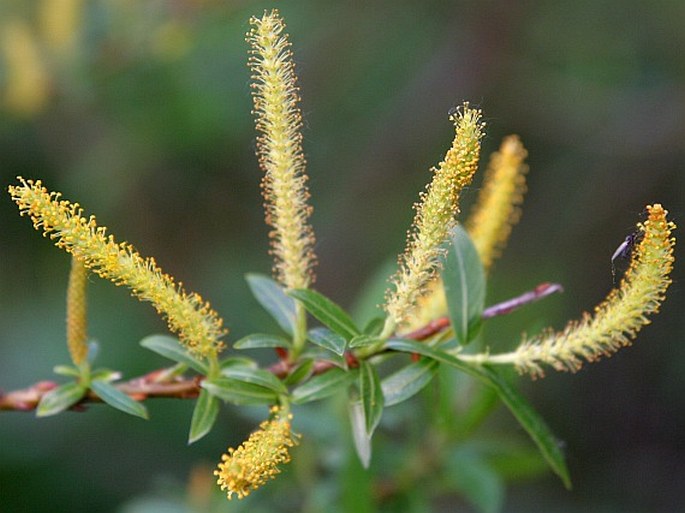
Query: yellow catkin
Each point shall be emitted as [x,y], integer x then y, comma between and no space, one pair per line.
[27,83]
[77,322]
[498,205]
[197,325]
[489,226]
[435,215]
[256,460]
[279,147]
[619,317]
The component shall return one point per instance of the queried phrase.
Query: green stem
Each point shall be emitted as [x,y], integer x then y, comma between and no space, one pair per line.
[483,358]
[214,368]
[300,335]
[84,373]
[386,333]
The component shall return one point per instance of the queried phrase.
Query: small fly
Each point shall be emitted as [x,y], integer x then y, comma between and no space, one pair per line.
[623,251]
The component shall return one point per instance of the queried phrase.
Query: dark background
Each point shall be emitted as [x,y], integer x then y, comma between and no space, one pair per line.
[144,119]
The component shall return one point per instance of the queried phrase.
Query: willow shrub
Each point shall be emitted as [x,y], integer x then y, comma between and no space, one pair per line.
[433,312]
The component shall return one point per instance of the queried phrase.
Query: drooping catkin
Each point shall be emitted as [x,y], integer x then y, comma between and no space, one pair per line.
[187,314]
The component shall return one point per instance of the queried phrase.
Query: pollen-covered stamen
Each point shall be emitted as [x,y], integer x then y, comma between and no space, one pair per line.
[498,205]
[198,326]
[435,215]
[279,147]
[615,321]
[257,460]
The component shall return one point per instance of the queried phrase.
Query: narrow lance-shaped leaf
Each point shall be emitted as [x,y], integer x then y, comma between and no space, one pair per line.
[371,396]
[171,348]
[117,399]
[524,413]
[204,415]
[260,341]
[408,381]
[271,296]
[362,440]
[532,422]
[464,281]
[364,340]
[239,392]
[326,311]
[327,339]
[323,385]
[60,399]
[255,376]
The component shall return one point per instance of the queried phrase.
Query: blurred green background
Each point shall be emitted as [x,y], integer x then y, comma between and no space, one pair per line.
[140,111]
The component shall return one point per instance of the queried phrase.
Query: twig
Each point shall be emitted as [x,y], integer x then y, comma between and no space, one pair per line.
[157,383]
[140,389]
[442,323]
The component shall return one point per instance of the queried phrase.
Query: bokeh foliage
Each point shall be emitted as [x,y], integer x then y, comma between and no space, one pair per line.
[145,118]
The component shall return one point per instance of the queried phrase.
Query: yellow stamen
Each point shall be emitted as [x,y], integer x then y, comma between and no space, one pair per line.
[198,326]
[435,216]
[279,148]
[256,460]
[497,210]
[619,317]
[498,206]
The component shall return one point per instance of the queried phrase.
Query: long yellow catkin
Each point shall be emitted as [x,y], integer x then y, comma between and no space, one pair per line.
[27,82]
[279,147]
[489,226]
[198,326]
[498,205]
[435,215]
[619,317]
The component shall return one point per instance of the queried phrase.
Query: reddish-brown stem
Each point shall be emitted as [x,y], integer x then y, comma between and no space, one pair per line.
[156,383]
[140,389]
[442,323]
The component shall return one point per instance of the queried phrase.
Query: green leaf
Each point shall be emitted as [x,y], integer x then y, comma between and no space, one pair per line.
[363,340]
[117,399]
[532,422]
[260,340]
[514,461]
[408,381]
[464,280]
[410,346]
[301,372]
[257,377]
[362,440]
[171,348]
[323,337]
[61,398]
[326,311]
[323,385]
[67,370]
[105,375]
[239,392]
[374,326]
[204,415]
[528,418]
[271,296]
[237,361]
[371,396]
